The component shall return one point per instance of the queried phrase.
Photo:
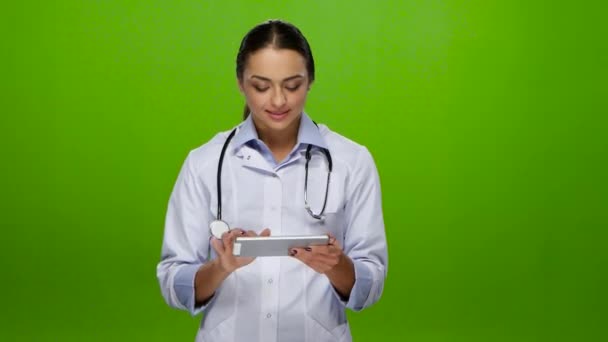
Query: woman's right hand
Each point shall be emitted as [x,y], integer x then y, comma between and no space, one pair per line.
[224,248]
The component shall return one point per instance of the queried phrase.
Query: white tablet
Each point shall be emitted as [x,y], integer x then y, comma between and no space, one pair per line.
[275,245]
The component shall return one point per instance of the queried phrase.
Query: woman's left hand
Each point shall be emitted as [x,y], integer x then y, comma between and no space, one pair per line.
[322,259]
[331,261]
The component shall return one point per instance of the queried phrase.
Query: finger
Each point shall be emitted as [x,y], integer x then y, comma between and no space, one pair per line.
[229,240]
[310,257]
[331,236]
[217,246]
[225,240]
[333,240]
[300,254]
[321,266]
[318,262]
[333,245]
[265,232]
[319,250]
[232,234]
[237,232]
[324,257]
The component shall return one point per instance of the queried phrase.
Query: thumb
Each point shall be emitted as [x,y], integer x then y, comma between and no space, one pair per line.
[265,232]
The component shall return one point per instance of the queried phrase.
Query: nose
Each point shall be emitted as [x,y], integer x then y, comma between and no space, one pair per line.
[278,99]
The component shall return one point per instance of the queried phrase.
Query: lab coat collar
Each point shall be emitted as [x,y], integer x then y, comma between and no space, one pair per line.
[250,158]
[246,132]
[308,133]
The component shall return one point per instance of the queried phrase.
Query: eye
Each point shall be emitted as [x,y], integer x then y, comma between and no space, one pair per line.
[293,88]
[260,89]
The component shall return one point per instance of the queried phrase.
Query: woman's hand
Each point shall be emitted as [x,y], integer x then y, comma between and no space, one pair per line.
[331,261]
[224,249]
[320,258]
[211,274]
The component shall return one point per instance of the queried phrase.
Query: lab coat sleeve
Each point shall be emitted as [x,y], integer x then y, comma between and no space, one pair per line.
[365,238]
[186,240]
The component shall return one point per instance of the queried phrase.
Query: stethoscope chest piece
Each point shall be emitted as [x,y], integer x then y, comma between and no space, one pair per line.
[218,228]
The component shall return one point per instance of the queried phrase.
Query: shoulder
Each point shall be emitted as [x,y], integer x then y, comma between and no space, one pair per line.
[207,155]
[345,152]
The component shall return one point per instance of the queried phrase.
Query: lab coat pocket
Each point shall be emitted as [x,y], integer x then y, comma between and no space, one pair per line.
[221,309]
[324,311]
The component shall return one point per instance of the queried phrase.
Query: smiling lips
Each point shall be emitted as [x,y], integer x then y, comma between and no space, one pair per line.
[277,115]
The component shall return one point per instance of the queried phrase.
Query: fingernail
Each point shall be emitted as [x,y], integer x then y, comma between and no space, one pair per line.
[308,249]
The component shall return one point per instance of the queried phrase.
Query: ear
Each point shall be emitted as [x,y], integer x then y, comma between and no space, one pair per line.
[239,84]
[310,85]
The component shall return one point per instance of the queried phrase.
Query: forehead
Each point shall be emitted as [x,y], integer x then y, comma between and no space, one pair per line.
[275,64]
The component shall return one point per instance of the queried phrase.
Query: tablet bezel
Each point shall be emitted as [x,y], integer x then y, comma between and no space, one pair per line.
[263,246]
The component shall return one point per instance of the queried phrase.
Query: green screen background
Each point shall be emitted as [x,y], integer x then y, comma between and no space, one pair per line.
[486,120]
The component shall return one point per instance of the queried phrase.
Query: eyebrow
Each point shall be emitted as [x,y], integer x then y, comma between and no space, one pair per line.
[269,80]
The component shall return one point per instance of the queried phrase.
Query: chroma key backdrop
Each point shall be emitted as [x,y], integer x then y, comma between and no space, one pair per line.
[487,121]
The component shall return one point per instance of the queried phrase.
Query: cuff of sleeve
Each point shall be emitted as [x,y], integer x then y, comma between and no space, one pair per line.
[184,289]
[363,285]
[361,288]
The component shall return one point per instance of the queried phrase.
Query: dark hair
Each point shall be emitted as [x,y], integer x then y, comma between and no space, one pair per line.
[278,34]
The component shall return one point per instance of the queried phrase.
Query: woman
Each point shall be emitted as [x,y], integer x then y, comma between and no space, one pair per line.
[301,297]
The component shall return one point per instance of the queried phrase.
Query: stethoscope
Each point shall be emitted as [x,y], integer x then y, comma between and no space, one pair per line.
[219,227]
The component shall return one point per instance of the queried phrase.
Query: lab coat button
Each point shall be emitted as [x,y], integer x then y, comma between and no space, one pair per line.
[270,281]
[268,315]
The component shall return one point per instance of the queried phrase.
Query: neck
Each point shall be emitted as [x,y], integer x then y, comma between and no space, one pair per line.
[279,142]
[282,142]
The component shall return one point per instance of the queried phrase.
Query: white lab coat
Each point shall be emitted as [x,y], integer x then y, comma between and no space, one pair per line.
[275,298]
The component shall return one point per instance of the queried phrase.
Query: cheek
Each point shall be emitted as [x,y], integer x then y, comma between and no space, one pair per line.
[298,99]
[254,99]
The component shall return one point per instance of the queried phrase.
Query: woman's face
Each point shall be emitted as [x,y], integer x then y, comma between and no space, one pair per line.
[275,84]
